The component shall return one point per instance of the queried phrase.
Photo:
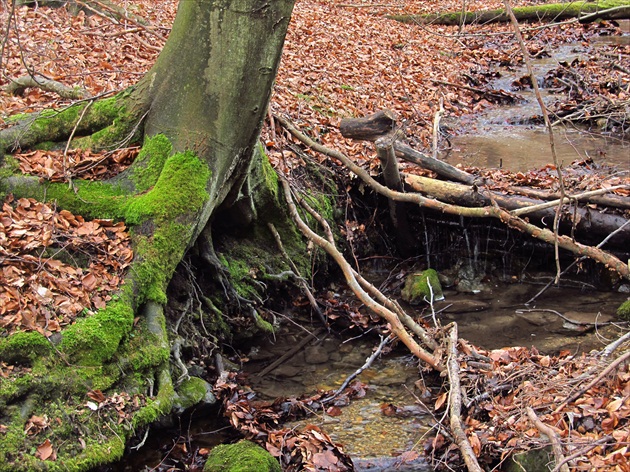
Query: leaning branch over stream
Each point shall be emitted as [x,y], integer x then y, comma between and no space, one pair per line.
[492,211]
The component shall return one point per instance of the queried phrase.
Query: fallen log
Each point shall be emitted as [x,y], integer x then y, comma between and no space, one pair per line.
[584,12]
[543,234]
[19,85]
[586,221]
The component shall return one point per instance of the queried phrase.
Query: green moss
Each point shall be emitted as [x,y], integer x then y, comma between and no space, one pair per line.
[191,392]
[24,346]
[150,162]
[160,406]
[262,324]
[550,11]
[244,456]
[241,273]
[69,420]
[269,175]
[623,311]
[91,200]
[10,166]
[417,289]
[94,340]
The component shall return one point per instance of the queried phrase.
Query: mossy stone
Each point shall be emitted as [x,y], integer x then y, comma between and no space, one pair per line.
[623,311]
[536,460]
[417,289]
[193,391]
[244,456]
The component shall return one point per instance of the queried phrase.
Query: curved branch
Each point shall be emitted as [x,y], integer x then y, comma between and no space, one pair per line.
[480,212]
[396,325]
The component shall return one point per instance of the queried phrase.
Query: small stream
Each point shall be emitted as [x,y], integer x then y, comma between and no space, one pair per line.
[495,316]
[490,319]
[497,138]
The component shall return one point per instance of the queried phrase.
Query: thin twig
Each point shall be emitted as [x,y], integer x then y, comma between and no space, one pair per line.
[356,373]
[543,109]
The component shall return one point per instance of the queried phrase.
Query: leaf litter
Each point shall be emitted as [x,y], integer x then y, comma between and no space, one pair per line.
[338,62]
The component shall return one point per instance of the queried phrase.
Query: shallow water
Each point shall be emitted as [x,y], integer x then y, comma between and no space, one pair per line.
[488,319]
[522,148]
[495,139]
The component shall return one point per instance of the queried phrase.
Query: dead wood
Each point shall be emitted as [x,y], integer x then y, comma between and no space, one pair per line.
[392,318]
[501,96]
[553,438]
[613,365]
[455,404]
[505,216]
[391,175]
[19,85]
[613,201]
[616,13]
[586,221]
[289,354]
[366,365]
[584,12]
[381,123]
[370,128]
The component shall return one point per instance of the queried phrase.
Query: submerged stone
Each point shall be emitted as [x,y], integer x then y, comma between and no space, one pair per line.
[244,456]
[416,289]
[536,460]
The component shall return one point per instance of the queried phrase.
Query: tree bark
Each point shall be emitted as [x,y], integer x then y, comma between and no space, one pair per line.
[209,90]
[588,223]
[200,110]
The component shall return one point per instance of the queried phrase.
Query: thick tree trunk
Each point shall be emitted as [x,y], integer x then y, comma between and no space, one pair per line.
[209,90]
[200,109]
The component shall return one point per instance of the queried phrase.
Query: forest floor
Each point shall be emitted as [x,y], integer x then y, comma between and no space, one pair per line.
[339,61]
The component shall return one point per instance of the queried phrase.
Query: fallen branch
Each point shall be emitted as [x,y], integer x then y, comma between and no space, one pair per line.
[383,123]
[615,13]
[356,373]
[611,347]
[396,325]
[593,382]
[585,221]
[19,85]
[546,12]
[480,212]
[553,437]
[501,95]
[455,405]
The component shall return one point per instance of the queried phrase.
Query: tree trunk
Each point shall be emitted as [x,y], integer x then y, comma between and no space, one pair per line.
[209,90]
[200,110]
